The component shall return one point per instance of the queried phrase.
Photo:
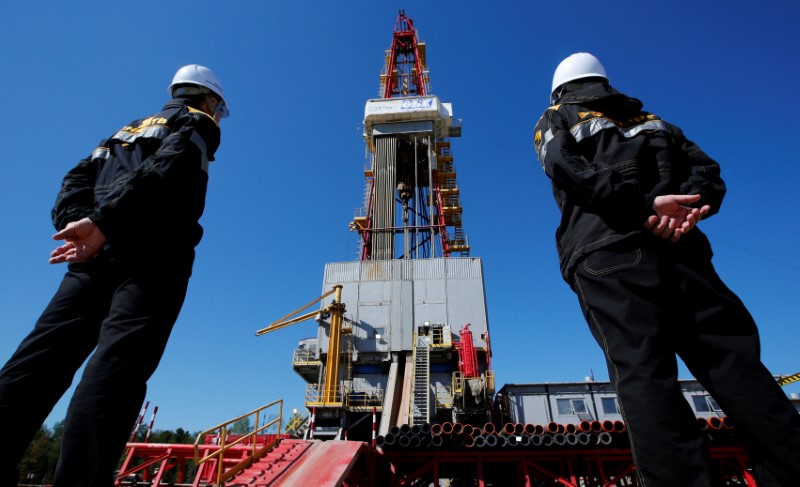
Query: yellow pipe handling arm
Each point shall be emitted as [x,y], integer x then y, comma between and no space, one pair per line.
[336,310]
[287,320]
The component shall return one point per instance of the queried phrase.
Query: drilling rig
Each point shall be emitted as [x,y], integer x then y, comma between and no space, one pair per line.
[412,342]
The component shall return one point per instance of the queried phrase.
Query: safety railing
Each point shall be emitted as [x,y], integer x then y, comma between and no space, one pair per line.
[305,356]
[443,398]
[441,337]
[320,395]
[250,438]
[362,399]
[295,424]
[457,383]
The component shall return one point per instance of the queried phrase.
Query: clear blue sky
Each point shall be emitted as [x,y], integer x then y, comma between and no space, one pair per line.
[288,175]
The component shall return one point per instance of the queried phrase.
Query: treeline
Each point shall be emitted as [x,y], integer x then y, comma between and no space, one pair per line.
[38,465]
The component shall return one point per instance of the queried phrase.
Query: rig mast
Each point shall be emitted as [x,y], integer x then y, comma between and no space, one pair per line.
[411,201]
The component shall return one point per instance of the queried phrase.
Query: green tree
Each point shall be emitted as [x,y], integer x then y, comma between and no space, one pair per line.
[33,466]
[241,426]
[38,464]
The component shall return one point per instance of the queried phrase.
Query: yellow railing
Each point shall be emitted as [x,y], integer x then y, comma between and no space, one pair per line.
[221,430]
[457,384]
[489,382]
[295,423]
[441,337]
[316,395]
[443,391]
[362,399]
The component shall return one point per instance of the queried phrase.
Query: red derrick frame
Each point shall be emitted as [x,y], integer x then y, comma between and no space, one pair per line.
[404,43]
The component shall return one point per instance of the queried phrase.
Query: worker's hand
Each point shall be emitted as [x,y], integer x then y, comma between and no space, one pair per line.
[83,242]
[673,218]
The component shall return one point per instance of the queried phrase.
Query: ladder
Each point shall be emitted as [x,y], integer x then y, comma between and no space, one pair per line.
[420,412]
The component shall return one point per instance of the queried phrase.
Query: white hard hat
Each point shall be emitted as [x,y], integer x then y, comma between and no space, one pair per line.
[194,74]
[577,66]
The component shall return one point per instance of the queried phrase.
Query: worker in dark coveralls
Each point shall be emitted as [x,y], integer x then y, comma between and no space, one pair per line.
[631,188]
[128,215]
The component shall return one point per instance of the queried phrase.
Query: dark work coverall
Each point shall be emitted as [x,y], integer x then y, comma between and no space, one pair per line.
[647,300]
[145,189]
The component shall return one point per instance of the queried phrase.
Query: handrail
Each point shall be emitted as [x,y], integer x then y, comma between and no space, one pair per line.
[361,399]
[489,381]
[222,431]
[319,395]
[305,356]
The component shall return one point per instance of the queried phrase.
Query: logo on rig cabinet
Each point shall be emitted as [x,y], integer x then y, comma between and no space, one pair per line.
[417,104]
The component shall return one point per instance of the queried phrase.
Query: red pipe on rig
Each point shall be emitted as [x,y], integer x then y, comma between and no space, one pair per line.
[714,423]
[139,422]
[553,427]
[150,426]
[727,423]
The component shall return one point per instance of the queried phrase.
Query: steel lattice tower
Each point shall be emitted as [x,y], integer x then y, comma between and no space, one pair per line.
[411,202]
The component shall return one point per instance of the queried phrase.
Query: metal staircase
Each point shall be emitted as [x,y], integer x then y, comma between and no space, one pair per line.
[420,412]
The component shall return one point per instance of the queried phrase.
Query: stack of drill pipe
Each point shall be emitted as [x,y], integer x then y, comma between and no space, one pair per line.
[586,434]
[405,436]
[449,435]
[458,435]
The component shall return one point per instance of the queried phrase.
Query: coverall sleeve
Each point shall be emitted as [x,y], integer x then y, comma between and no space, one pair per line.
[589,183]
[704,175]
[183,152]
[76,198]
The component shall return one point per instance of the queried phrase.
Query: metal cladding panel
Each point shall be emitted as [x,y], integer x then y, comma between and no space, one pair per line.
[430,289]
[431,300]
[428,269]
[339,273]
[402,317]
[464,268]
[466,297]
[392,297]
[402,128]
[375,270]
[529,409]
